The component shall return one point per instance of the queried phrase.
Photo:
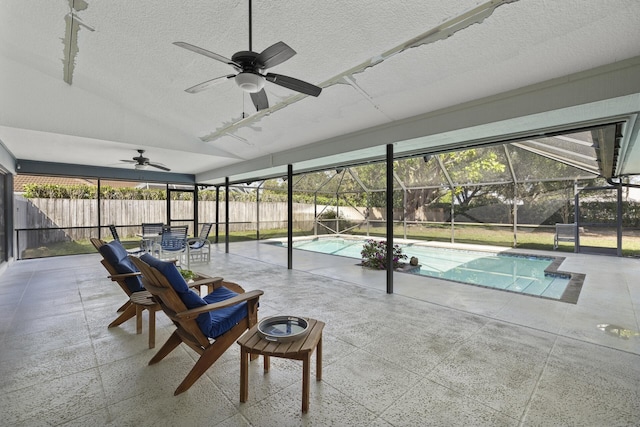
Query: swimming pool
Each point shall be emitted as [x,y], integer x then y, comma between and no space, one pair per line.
[526,274]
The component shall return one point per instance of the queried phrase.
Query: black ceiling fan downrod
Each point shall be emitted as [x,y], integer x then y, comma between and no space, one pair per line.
[250,32]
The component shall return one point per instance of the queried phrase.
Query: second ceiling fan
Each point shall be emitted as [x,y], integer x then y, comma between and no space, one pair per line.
[250,66]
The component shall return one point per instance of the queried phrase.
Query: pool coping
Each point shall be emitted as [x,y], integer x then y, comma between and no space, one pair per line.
[576,280]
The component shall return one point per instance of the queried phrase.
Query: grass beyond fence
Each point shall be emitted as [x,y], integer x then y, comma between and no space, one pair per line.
[535,239]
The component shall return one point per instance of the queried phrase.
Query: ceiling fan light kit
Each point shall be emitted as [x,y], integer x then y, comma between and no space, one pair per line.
[250,82]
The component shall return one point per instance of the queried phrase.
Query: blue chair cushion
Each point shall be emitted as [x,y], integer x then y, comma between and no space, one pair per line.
[197,244]
[213,323]
[118,257]
[224,319]
[170,271]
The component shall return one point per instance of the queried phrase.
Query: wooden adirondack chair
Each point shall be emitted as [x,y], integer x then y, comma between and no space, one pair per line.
[208,325]
[130,282]
[129,278]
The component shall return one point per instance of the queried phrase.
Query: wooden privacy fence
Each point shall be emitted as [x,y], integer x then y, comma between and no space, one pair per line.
[44,221]
[59,220]
[40,216]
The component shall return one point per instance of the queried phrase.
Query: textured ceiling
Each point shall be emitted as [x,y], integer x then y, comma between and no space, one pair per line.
[414,72]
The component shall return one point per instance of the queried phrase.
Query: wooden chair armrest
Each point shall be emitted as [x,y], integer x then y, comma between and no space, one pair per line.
[211,283]
[233,287]
[205,281]
[116,277]
[195,312]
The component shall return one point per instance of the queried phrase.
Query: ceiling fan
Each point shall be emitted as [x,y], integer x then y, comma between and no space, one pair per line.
[250,66]
[142,162]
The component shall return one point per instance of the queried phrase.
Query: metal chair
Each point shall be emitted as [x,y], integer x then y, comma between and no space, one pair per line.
[152,227]
[150,233]
[134,250]
[173,243]
[564,233]
[199,248]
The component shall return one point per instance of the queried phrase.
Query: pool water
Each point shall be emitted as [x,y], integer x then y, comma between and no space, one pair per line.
[517,273]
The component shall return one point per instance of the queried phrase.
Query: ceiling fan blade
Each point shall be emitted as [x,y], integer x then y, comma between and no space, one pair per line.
[260,100]
[205,52]
[209,83]
[159,166]
[274,55]
[294,84]
[129,161]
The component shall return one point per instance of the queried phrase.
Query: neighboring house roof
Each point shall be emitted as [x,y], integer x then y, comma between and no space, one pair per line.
[19,181]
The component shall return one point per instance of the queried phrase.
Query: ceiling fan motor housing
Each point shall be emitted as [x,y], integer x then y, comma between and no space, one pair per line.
[249,79]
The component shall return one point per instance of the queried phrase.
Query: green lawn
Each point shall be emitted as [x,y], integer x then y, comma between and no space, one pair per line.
[536,239]
[499,236]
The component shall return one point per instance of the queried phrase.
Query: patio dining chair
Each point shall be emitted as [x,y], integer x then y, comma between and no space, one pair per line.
[564,233]
[150,233]
[199,248]
[208,325]
[172,244]
[134,250]
[152,227]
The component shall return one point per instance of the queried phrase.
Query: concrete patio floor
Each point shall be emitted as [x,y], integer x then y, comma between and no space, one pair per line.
[433,353]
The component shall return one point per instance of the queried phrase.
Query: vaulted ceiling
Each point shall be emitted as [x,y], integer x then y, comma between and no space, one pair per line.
[89,82]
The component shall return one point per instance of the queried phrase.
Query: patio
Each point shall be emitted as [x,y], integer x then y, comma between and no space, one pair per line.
[454,354]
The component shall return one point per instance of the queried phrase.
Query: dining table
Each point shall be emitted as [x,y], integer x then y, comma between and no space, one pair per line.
[149,240]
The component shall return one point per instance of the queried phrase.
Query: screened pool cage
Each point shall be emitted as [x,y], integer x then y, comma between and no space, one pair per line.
[511,194]
[520,190]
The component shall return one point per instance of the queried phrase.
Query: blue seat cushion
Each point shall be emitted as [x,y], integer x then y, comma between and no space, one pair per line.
[116,255]
[225,318]
[197,244]
[213,323]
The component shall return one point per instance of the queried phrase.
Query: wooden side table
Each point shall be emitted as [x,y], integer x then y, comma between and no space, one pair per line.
[251,343]
[143,300]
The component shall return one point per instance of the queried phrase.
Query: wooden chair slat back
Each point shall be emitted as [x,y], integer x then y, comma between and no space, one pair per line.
[97,243]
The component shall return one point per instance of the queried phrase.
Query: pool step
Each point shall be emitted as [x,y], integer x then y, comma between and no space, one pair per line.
[521,284]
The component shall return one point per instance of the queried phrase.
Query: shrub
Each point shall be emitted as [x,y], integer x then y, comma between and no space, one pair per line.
[374,255]
[187,274]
